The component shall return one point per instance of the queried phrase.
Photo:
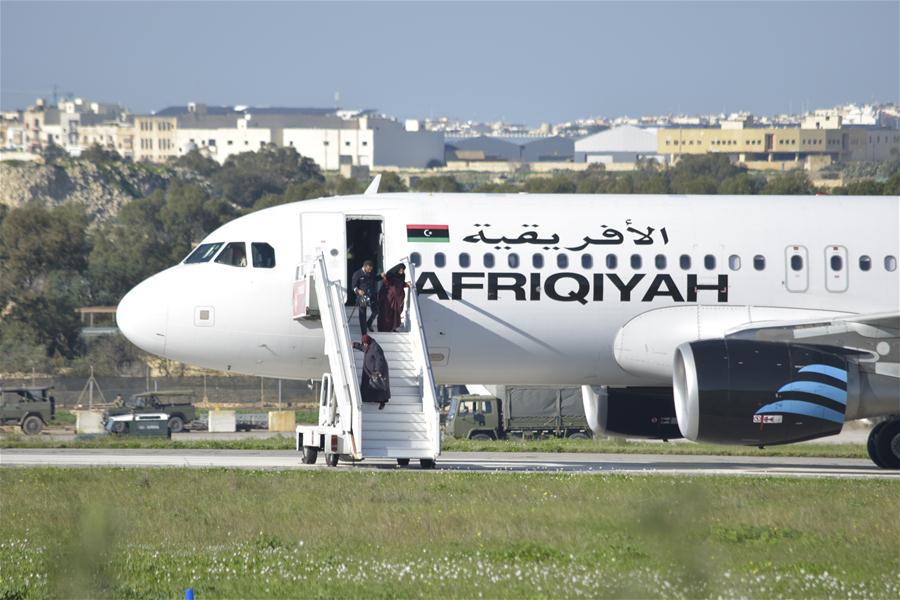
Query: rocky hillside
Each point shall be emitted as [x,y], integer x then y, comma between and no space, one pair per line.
[102,188]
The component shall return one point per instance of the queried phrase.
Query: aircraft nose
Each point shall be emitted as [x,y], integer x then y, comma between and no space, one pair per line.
[142,316]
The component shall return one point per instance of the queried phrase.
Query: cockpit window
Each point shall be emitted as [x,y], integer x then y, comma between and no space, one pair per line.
[263,255]
[203,253]
[234,255]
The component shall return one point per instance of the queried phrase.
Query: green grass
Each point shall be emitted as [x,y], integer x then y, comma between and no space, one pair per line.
[286,442]
[244,534]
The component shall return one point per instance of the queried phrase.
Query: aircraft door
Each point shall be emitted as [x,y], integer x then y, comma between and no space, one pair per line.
[836,269]
[796,266]
[324,233]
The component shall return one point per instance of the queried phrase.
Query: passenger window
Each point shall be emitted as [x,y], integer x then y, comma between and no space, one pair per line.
[709,261]
[489,260]
[416,259]
[263,255]
[464,260]
[440,260]
[734,262]
[660,261]
[759,262]
[636,261]
[587,261]
[611,261]
[487,407]
[234,255]
[684,261]
[890,263]
[514,261]
[537,261]
[865,263]
[796,262]
[203,253]
[837,263]
[562,261]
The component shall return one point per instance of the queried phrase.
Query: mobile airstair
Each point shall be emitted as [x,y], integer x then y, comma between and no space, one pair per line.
[409,425]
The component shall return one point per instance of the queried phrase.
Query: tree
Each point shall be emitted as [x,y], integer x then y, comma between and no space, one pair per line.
[557,184]
[44,254]
[53,153]
[791,183]
[100,155]
[742,183]
[439,183]
[196,162]
[718,167]
[391,182]
[892,185]
[866,187]
[246,177]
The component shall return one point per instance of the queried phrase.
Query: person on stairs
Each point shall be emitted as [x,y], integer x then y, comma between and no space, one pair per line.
[375,383]
[391,298]
[363,285]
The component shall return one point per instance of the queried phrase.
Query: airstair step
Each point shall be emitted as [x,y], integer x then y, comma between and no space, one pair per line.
[403,404]
[380,417]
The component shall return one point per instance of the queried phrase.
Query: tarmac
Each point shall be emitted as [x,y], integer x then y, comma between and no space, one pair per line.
[478,462]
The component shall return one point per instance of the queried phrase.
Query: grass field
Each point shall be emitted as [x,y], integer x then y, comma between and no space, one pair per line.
[240,534]
[453,445]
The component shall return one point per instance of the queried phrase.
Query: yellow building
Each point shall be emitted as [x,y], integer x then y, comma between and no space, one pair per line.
[154,138]
[781,144]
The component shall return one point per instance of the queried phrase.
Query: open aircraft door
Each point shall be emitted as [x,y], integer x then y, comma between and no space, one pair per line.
[325,233]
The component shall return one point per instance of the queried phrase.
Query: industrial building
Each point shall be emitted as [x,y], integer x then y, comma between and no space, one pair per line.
[620,145]
[511,149]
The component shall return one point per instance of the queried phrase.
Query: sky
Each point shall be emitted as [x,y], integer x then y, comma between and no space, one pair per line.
[524,62]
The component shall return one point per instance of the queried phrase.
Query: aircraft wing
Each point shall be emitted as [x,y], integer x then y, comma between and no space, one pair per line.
[873,339]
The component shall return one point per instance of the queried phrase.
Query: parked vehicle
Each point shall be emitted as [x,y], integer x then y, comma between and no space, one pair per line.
[28,407]
[140,424]
[519,411]
[178,404]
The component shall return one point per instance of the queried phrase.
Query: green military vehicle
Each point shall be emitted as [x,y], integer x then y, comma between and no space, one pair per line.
[28,407]
[178,404]
[519,411]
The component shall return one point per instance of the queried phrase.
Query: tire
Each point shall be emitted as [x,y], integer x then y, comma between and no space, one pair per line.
[119,427]
[32,425]
[887,445]
[403,462]
[872,443]
[310,454]
[427,463]
[579,435]
[481,437]
[176,424]
[331,460]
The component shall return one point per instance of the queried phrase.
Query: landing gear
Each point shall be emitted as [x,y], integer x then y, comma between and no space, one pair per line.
[310,454]
[403,462]
[331,459]
[884,444]
[427,463]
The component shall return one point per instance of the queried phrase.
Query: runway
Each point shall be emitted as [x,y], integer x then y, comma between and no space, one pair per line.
[481,462]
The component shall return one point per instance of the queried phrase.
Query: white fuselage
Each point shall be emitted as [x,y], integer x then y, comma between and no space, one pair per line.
[536,309]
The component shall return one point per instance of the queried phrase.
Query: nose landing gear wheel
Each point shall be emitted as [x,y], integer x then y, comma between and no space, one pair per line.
[403,462]
[331,460]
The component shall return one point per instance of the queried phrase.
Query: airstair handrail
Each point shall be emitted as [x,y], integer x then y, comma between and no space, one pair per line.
[430,405]
[347,379]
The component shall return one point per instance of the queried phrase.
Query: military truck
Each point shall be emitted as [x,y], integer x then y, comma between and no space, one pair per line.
[178,404]
[28,407]
[518,411]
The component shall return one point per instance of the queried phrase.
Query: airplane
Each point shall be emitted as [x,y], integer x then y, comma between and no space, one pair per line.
[753,320]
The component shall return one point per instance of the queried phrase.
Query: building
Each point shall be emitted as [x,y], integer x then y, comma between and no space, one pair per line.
[332,138]
[519,149]
[626,144]
[819,140]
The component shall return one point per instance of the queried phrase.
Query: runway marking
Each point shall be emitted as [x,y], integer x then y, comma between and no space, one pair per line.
[587,464]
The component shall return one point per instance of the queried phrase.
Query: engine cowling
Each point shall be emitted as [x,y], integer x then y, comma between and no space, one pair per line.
[758,393]
[642,412]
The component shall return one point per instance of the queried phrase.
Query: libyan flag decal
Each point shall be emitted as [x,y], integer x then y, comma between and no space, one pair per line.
[427,233]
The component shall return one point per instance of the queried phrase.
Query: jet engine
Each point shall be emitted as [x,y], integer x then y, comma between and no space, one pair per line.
[643,412]
[735,391]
